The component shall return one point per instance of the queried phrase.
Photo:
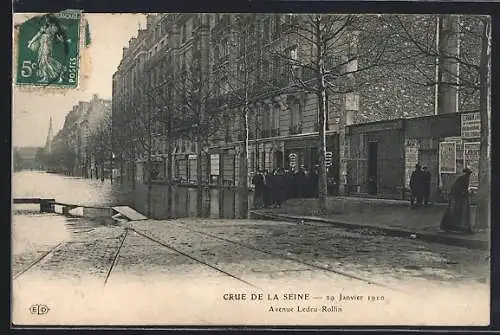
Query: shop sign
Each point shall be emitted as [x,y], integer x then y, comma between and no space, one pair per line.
[328,158]
[293,160]
[471,161]
[447,157]
[471,125]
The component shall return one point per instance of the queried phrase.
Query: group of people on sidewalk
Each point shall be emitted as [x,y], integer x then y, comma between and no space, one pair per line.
[457,215]
[272,189]
[420,186]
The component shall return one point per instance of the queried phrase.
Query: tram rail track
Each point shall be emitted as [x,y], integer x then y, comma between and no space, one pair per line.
[213,267]
[292,259]
[37,261]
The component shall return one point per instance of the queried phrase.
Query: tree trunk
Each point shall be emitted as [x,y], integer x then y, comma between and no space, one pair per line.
[199,179]
[149,186]
[322,185]
[448,64]
[243,168]
[102,170]
[483,196]
[170,179]
[322,180]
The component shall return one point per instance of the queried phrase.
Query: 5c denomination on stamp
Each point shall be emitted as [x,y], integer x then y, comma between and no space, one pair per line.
[48,50]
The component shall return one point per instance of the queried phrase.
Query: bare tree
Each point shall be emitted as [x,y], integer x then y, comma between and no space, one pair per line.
[327,52]
[239,78]
[197,118]
[473,79]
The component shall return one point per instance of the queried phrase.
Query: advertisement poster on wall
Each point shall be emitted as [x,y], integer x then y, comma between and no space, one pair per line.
[471,125]
[447,157]
[214,164]
[471,160]
[411,158]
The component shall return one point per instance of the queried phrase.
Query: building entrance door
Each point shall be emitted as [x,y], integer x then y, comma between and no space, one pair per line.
[372,167]
[278,159]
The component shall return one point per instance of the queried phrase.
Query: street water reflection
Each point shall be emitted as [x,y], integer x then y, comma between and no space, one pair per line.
[216,203]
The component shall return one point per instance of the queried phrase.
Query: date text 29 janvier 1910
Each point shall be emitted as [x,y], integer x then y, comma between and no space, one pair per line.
[299,297]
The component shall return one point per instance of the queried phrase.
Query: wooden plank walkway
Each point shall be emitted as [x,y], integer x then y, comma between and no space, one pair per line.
[129,213]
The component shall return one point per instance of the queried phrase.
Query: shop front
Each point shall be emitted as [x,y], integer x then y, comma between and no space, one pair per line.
[304,153]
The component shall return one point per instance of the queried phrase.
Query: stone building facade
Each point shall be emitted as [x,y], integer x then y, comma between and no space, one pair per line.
[282,118]
[76,142]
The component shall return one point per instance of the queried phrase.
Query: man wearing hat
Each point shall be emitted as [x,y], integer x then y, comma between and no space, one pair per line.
[417,186]
[457,216]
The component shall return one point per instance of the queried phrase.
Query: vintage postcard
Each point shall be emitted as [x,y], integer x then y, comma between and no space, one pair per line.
[250,169]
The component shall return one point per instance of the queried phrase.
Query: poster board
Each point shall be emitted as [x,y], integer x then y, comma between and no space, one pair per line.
[214,164]
[471,161]
[447,157]
[470,125]
[411,158]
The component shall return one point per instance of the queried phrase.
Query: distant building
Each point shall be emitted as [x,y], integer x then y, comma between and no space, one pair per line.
[25,158]
[78,137]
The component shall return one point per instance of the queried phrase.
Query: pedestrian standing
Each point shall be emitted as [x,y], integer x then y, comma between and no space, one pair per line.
[416,186]
[314,180]
[258,196]
[300,181]
[426,178]
[457,215]
[265,181]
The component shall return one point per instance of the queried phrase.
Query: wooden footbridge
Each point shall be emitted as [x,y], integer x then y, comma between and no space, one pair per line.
[118,213]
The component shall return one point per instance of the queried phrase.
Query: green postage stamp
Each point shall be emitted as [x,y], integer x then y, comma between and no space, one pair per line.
[48,50]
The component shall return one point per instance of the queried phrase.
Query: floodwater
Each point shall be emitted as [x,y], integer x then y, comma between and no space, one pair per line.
[33,231]
[216,203]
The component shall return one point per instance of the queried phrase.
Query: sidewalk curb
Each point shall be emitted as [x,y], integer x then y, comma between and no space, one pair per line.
[389,231]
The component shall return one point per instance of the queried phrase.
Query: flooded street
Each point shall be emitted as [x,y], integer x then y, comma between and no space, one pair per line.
[90,272]
[33,233]
[217,203]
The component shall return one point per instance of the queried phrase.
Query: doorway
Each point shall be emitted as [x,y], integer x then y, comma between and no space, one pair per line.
[372,167]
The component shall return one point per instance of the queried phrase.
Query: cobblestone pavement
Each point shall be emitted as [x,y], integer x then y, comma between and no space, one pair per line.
[258,252]
[362,253]
[196,261]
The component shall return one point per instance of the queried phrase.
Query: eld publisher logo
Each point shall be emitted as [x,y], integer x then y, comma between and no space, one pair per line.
[39,309]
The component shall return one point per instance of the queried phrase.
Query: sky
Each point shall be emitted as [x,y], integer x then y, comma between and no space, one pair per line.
[31,111]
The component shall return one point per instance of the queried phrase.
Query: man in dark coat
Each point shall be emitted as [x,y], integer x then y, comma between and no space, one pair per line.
[280,188]
[416,186]
[314,180]
[300,181]
[258,196]
[457,215]
[426,178]
[266,190]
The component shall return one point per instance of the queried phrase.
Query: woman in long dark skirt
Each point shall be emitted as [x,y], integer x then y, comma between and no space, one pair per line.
[457,216]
